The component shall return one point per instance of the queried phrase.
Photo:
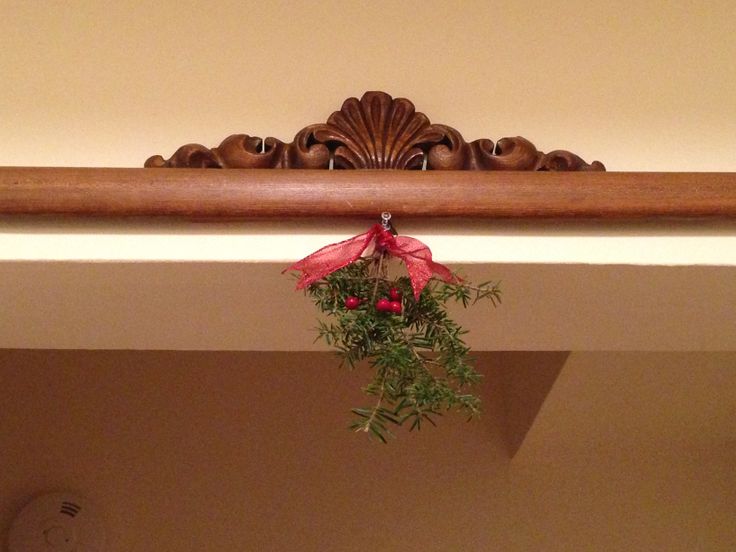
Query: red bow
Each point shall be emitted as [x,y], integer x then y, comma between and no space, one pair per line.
[416,256]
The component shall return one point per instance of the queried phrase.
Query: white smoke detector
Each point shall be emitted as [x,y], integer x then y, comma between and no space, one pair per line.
[58,522]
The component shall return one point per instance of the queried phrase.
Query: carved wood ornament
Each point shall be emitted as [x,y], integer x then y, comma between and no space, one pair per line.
[447,177]
[375,132]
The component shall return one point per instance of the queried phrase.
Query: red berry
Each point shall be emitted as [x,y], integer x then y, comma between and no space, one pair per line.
[383,305]
[352,302]
[395,294]
[395,307]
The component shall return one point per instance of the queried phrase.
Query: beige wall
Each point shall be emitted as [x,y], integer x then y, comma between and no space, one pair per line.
[243,307]
[201,451]
[638,85]
[249,451]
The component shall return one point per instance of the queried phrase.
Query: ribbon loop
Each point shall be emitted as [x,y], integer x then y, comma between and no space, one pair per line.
[416,256]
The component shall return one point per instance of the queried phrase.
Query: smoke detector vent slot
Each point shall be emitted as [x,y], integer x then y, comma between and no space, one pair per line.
[58,522]
[70,509]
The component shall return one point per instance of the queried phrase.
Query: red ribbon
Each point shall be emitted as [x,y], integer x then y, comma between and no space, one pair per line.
[416,256]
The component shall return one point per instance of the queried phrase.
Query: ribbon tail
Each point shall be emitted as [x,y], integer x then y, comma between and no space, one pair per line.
[419,264]
[332,257]
[419,274]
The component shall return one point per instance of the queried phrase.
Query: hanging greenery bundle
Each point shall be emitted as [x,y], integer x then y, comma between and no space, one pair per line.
[398,325]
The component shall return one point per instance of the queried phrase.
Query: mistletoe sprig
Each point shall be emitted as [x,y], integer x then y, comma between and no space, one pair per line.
[420,361]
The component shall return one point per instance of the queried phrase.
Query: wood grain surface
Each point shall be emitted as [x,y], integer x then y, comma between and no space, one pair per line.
[254,193]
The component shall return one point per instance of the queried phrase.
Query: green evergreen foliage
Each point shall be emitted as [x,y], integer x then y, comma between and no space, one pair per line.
[420,361]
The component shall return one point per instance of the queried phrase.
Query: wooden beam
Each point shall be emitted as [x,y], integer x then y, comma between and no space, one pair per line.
[259,193]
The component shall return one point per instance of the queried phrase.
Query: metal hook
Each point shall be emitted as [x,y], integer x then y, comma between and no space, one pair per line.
[386,220]
[386,223]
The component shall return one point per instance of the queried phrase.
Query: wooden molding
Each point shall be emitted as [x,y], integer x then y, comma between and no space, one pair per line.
[253,193]
[510,179]
[375,132]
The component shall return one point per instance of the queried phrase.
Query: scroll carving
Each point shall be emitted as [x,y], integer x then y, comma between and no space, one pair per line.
[375,132]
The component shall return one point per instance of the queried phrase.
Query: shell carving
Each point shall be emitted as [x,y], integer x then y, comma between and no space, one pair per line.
[378,132]
[375,132]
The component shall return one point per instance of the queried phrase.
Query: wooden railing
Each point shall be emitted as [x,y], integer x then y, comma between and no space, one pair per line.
[257,193]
